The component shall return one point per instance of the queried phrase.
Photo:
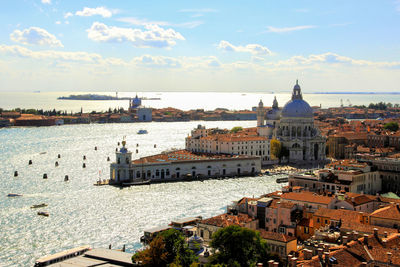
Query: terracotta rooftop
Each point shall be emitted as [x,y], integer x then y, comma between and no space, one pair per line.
[356,252]
[225,220]
[339,214]
[306,196]
[184,155]
[276,236]
[391,212]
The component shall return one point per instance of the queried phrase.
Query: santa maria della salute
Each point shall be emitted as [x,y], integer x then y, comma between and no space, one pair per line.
[293,126]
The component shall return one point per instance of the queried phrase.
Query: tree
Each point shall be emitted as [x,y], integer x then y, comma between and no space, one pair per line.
[238,246]
[155,255]
[276,149]
[236,129]
[391,126]
[170,247]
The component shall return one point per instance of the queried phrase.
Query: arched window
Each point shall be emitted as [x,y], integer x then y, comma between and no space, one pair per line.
[193,168]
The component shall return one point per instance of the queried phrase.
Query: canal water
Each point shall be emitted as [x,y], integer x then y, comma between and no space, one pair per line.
[81,213]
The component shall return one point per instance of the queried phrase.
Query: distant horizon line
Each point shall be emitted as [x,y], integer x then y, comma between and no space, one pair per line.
[239,92]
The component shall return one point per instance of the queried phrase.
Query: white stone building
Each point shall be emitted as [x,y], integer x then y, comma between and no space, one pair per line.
[180,165]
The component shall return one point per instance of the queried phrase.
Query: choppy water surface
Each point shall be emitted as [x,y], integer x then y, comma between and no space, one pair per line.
[81,213]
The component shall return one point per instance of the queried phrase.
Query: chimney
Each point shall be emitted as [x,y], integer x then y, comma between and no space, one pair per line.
[384,242]
[320,250]
[345,239]
[355,235]
[326,258]
[366,239]
[364,264]
[259,264]
[376,233]
[385,234]
[271,263]
[276,264]
[294,262]
[307,254]
[389,255]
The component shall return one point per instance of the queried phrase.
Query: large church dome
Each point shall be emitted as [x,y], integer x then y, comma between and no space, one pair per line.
[297,107]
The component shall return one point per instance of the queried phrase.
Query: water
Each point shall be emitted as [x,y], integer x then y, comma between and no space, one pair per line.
[183,100]
[81,213]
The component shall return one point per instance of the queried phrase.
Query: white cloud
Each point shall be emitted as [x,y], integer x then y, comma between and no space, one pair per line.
[144,22]
[88,12]
[79,57]
[254,49]
[67,15]
[58,22]
[141,22]
[335,59]
[35,36]
[46,2]
[289,29]
[198,10]
[153,36]
[157,61]
[190,24]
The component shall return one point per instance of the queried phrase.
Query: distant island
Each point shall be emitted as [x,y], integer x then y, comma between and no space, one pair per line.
[357,93]
[101,97]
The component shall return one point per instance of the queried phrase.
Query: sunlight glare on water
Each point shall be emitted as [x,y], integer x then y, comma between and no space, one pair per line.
[81,213]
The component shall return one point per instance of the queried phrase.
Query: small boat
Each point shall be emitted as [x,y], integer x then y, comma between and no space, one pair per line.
[43,213]
[14,195]
[39,206]
[144,182]
[282,180]
[142,132]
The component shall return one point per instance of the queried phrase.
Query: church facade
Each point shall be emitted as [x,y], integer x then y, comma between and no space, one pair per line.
[293,126]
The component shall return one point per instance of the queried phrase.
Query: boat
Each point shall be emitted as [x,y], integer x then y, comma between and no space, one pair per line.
[14,195]
[143,182]
[39,206]
[43,213]
[142,132]
[282,180]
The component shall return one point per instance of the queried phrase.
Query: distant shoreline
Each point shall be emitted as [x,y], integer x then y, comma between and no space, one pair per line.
[97,97]
[356,93]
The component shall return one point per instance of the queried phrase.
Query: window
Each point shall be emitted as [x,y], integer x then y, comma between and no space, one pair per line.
[138,174]
[167,172]
[157,173]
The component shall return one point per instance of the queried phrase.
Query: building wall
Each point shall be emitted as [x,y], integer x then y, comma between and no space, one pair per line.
[278,219]
[389,223]
[178,170]
[144,114]
[281,248]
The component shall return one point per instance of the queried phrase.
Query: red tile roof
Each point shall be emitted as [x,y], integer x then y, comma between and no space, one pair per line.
[225,220]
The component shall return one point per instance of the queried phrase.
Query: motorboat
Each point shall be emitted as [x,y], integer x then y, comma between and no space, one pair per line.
[14,195]
[43,213]
[142,131]
[39,206]
[143,182]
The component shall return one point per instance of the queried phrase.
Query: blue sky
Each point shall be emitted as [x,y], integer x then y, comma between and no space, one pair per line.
[60,45]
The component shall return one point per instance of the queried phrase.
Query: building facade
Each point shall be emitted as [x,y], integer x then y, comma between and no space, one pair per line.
[294,127]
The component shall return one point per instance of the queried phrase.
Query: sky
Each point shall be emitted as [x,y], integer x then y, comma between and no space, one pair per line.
[225,46]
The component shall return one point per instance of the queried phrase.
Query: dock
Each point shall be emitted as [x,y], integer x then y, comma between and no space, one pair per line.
[102,182]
